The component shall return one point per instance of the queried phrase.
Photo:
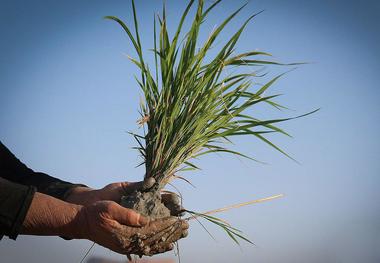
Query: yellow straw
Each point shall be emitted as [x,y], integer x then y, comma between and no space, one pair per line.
[240,205]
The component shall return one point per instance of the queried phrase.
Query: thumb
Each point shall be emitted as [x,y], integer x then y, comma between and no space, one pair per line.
[130,187]
[126,216]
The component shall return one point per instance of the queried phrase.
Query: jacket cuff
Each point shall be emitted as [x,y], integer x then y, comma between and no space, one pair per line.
[16,229]
[15,200]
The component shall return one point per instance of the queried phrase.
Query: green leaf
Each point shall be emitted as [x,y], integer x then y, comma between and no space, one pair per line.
[200,94]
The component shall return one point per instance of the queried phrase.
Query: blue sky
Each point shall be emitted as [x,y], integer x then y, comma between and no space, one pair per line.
[67,96]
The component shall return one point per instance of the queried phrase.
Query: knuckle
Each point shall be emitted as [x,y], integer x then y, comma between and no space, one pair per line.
[128,213]
[185,224]
[131,216]
[110,206]
[109,186]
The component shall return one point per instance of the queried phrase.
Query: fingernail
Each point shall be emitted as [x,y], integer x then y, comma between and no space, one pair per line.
[143,220]
[149,182]
[185,225]
[175,199]
[185,233]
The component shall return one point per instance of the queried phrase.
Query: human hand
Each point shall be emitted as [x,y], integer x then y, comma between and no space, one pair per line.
[114,192]
[111,192]
[127,232]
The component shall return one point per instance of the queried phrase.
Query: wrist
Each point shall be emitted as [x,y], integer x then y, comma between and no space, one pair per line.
[75,224]
[49,216]
[79,195]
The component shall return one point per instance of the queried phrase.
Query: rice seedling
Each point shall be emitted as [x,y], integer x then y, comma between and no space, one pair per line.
[192,104]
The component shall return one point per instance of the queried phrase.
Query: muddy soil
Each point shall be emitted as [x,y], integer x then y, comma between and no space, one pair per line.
[146,203]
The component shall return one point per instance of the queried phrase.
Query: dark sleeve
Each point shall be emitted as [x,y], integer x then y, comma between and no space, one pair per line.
[15,171]
[15,200]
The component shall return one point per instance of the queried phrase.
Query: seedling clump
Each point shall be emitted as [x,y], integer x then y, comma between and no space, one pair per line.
[193,103]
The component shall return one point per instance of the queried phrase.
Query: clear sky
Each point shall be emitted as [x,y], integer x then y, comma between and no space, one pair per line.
[67,96]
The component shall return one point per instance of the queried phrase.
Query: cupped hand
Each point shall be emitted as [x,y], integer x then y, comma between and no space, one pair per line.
[127,232]
[114,192]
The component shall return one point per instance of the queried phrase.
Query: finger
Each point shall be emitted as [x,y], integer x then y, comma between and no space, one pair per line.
[170,198]
[153,250]
[161,224]
[172,202]
[125,216]
[185,233]
[130,187]
[158,230]
[178,232]
[176,210]
[166,231]
[148,183]
[158,236]
[160,248]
